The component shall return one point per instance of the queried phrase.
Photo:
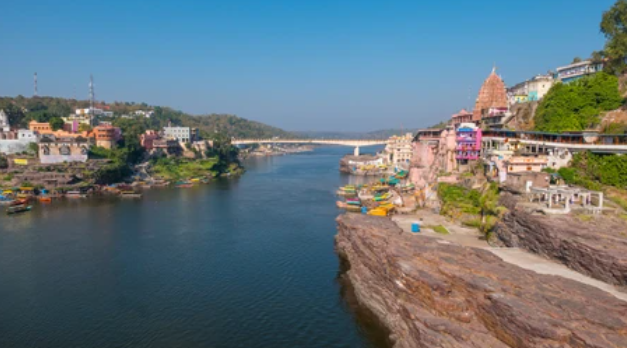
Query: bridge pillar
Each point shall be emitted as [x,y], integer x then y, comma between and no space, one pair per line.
[356,151]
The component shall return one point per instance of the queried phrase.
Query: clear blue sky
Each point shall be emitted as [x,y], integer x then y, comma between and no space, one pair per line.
[299,65]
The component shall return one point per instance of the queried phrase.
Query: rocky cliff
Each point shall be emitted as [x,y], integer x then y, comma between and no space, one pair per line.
[432,294]
[597,248]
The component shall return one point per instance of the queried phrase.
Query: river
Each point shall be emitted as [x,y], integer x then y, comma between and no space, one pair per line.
[244,262]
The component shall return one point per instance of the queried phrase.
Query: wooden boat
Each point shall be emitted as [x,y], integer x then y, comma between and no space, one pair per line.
[353,208]
[45,199]
[75,194]
[130,194]
[184,184]
[19,208]
[378,212]
[341,204]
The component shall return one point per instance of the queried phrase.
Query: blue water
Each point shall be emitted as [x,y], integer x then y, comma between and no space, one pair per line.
[245,262]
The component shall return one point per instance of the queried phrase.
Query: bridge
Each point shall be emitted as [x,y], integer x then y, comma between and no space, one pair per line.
[341,142]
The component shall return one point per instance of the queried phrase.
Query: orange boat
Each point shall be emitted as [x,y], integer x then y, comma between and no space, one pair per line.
[45,199]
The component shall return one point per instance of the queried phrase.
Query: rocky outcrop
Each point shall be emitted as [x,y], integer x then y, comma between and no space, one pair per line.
[432,294]
[597,248]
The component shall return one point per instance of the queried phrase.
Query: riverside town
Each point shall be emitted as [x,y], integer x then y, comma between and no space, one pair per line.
[498,219]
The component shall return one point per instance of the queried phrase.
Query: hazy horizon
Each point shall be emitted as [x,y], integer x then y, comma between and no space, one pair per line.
[325,66]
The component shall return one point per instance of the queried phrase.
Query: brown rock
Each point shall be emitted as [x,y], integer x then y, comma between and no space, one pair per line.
[597,248]
[432,294]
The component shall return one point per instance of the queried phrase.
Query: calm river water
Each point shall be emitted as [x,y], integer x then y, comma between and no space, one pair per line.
[247,262]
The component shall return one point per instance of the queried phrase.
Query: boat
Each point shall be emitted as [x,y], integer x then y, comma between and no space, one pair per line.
[378,212]
[75,194]
[130,194]
[18,208]
[353,201]
[184,184]
[341,204]
[45,199]
[354,208]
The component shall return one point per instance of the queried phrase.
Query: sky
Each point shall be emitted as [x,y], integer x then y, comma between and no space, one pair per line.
[327,65]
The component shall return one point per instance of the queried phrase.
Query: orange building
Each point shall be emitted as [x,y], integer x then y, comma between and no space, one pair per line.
[40,127]
[107,136]
[492,95]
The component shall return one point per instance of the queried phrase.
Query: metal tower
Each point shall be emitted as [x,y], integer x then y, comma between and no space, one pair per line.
[91,99]
[35,94]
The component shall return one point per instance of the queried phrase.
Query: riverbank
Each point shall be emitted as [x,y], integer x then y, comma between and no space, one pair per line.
[431,292]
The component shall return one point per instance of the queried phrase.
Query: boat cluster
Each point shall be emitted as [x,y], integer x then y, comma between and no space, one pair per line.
[380,198]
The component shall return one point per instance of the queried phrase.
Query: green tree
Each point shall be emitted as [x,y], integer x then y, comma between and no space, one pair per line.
[576,106]
[577,60]
[33,148]
[4,163]
[56,123]
[614,27]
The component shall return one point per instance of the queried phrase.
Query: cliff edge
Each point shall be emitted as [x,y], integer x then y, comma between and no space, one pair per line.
[430,293]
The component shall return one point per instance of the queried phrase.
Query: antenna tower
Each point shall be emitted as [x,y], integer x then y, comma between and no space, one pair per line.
[91,99]
[35,93]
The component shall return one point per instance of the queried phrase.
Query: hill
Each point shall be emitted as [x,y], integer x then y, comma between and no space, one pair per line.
[22,110]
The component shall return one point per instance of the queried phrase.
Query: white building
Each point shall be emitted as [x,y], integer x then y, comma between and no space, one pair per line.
[399,150]
[11,141]
[4,122]
[89,111]
[147,114]
[182,134]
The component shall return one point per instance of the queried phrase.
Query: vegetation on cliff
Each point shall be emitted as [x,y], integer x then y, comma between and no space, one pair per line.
[477,208]
[576,106]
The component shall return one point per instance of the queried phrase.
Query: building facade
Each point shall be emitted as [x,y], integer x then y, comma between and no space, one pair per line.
[461,117]
[182,134]
[468,144]
[68,149]
[573,72]
[399,150]
[107,136]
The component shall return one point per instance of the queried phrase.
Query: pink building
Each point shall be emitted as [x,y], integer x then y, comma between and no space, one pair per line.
[434,154]
[147,139]
[468,147]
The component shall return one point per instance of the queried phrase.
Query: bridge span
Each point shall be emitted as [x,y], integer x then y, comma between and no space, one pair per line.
[342,142]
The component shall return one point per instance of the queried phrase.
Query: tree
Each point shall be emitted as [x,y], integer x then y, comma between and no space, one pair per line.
[614,27]
[577,60]
[576,106]
[56,123]
[33,148]
[84,127]
[4,163]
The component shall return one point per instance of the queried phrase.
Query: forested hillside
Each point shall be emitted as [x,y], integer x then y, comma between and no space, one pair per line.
[22,110]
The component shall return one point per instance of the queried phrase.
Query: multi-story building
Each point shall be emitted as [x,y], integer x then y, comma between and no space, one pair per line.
[468,143]
[576,71]
[5,126]
[107,136]
[182,134]
[530,90]
[399,150]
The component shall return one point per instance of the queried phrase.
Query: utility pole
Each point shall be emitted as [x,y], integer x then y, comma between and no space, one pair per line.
[35,93]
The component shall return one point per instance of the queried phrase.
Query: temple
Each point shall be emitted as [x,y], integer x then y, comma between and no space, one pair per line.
[492,98]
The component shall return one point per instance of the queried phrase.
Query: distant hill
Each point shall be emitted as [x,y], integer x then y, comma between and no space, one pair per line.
[22,110]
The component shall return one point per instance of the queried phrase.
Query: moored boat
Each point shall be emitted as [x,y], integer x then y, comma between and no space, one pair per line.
[18,208]
[130,194]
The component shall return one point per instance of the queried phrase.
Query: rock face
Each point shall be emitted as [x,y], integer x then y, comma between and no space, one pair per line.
[432,294]
[597,248]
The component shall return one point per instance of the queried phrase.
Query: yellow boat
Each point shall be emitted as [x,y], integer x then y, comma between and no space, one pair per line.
[378,212]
